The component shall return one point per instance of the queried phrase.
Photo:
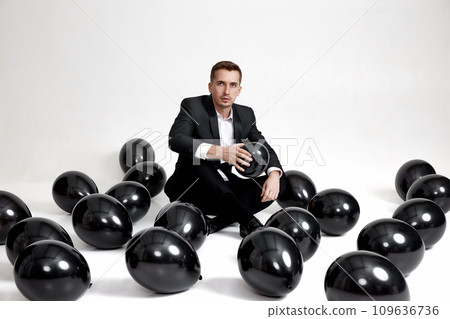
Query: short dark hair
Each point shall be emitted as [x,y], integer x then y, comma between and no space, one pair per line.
[227,65]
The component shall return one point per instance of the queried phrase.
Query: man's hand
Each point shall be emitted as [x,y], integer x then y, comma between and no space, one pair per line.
[271,187]
[233,154]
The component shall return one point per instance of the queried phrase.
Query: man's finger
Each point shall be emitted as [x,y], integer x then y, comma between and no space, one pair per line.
[267,195]
[264,194]
[245,157]
[242,152]
[242,162]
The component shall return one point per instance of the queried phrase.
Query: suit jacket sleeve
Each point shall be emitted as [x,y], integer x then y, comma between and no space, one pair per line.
[181,138]
[190,128]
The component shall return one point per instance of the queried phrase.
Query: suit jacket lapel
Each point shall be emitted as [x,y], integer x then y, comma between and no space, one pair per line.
[212,118]
[237,123]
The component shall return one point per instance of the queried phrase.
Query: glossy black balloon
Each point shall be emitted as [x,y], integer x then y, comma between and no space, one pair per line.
[32,230]
[301,225]
[270,262]
[394,239]
[134,196]
[150,174]
[300,189]
[425,216]
[70,187]
[434,187]
[162,260]
[410,172]
[135,151]
[51,270]
[336,210]
[102,221]
[260,156]
[365,276]
[186,219]
[12,210]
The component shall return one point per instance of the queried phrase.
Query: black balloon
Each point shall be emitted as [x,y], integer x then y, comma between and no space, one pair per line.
[70,187]
[433,187]
[135,151]
[162,260]
[260,156]
[301,225]
[394,239]
[365,276]
[12,210]
[336,210]
[270,262]
[150,174]
[102,221]
[51,270]
[186,219]
[134,196]
[300,189]
[410,172]
[425,216]
[32,230]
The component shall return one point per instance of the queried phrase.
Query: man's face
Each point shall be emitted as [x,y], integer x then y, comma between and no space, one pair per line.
[225,88]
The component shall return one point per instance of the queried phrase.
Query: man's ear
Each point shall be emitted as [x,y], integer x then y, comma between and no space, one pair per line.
[210,87]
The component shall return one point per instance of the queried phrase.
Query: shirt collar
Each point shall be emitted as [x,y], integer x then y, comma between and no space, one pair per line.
[228,118]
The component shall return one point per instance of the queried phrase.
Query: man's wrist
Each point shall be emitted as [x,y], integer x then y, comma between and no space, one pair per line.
[202,150]
[215,152]
[275,171]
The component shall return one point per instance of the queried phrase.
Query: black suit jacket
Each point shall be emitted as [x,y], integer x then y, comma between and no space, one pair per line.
[196,124]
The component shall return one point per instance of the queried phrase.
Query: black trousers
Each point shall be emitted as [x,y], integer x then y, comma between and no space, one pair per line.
[236,200]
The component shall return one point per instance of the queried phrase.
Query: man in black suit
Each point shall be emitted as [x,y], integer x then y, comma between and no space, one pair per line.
[208,134]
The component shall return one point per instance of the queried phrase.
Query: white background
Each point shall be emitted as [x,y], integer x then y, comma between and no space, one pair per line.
[367,81]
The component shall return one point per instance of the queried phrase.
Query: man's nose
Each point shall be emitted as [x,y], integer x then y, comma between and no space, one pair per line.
[227,89]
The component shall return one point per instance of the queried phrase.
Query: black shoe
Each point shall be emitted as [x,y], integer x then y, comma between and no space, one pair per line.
[217,223]
[208,224]
[252,225]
